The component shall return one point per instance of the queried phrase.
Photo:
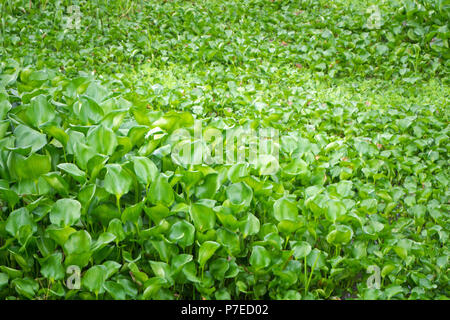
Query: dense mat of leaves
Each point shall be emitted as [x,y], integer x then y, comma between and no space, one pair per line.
[87,177]
[407,39]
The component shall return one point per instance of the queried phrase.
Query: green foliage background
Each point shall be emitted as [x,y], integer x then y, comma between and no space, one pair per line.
[87,117]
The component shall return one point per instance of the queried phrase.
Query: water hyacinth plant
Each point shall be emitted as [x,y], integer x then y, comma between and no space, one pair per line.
[224,149]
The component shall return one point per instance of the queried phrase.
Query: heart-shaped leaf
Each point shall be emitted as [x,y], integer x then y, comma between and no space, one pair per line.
[65,212]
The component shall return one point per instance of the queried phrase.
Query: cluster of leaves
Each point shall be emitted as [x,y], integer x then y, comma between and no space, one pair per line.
[87,177]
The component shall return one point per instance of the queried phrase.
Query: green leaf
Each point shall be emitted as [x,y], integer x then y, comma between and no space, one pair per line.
[229,240]
[335,209]
[5,106]
[26,287]
[249,225]
[94,279]
[65,212]
[146,171]
[103,140]
[111,268]
[78,249]
[73,170]
[387,269]
[55,180]
[132,213]
[10,196]
[369,206]
[316,258]
[59,235]
[40,111]
[341,235]
[153,285]
[116,290]
[4,126]
[288,226]
[260,258]
[83,154]
[115,227]
[29,138]
[218,268]
[344,188]
[297,167]
[285,209]
[162,270]
[56,132]
[209,187]
[203,216]
[51,267]
[239,194]
[237,172]
[103,239]
[301,249]
[12,273]
[88,111]
[165,249]
[179,261]
[117,180]
[17,220]
[32,167]
[206,251]
[4,278]
[182,233]
[157,213]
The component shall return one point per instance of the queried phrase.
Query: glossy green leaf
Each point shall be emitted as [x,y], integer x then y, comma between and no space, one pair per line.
[182,233]
[19,219]
[102,139]
[78,249]
[74,171]
[239,194]
[249,225]
[206,251]
[117,180]
[259,258]
[285,209]
[203,216]
[146,170]
[65,212]
[52,268]
[40,111]
[94,278]
[160,192]
[29,138]
[341,235]
[32,167]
